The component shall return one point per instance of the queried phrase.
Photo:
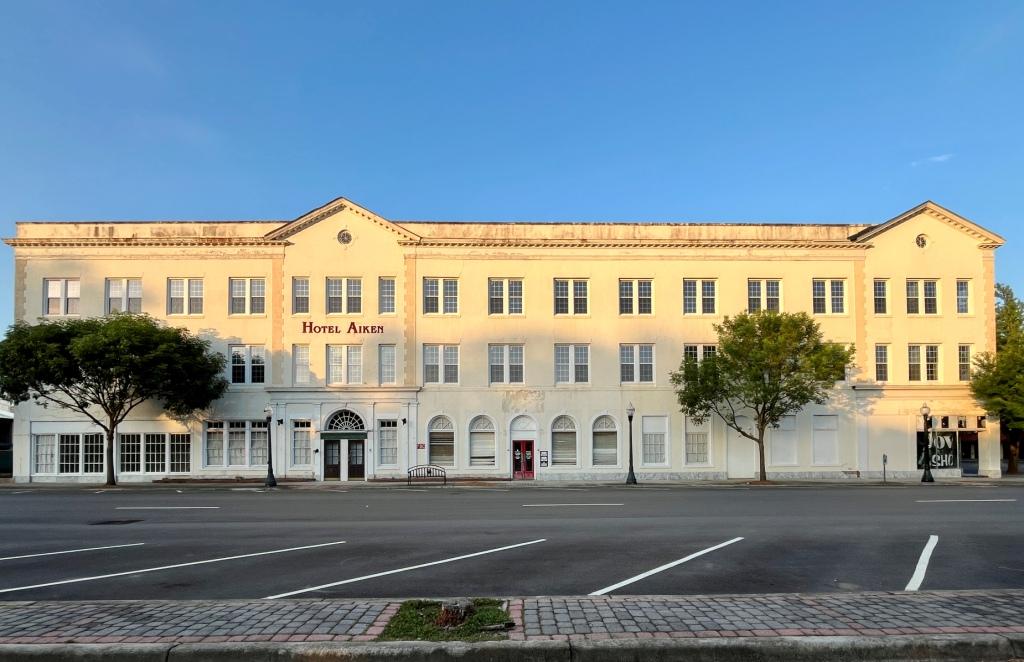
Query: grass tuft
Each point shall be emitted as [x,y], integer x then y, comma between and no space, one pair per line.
[416,620]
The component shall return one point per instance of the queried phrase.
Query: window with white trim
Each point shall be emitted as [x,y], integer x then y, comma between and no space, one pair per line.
[300,363]
[571,296]
[697,448]
[881,363]
[963,297]
[300,295]
[44,453]
[963,355]
[385,296]
[248,296]
[130,452]
[62,296]
[386,367]
[387,442]
[636,364]
[696,352]
[505,364]
[563,442]
[783,441]
[922,297]
[764,295]
[440,364]
[68,453]
[931,362]
[344,296]
[481,442]
[828,296]
[636,297]
[653,436]
[240,443]
[184,296]
[440,296]
[881,295]
[572,364]
[344,364]
[504,296]
[441,442]
[302,436]
[151,453]
[248,364]
[124,295]
[605,449]
[699,296]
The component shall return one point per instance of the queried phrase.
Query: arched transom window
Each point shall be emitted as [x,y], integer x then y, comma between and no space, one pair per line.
[481,442]
[563,442]
[606,442]
[441,441]
[345,420]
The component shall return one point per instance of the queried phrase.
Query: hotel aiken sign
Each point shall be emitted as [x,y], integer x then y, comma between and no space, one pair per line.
[309,327]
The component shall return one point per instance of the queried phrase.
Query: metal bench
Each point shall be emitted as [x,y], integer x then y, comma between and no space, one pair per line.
[427,471]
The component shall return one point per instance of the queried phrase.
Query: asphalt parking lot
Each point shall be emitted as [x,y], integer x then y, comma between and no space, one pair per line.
[191,542]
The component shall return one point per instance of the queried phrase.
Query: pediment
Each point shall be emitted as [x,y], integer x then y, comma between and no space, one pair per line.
[985,238]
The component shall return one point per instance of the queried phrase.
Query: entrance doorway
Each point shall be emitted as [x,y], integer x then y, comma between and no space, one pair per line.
[356,459]
[522,460]
[969,453]
[332,459]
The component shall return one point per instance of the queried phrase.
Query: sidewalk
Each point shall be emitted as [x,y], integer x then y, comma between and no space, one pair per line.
[933,625]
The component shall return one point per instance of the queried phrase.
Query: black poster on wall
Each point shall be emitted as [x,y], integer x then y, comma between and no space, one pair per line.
[944,450]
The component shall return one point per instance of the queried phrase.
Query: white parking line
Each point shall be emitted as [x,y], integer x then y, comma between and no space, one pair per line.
[406,569]
[168,567]
[69,551]
[660,568]
[560,505]
[167,508]
[960,500]
[922,564]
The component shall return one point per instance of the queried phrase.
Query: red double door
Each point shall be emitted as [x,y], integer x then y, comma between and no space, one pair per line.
[522,460]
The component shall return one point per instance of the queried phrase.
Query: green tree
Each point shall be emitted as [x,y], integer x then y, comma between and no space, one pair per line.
[105,367]
[767,365]
[998,378]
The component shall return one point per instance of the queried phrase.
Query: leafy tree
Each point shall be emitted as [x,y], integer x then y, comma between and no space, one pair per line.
[767,365]
[105,367]
[998,378]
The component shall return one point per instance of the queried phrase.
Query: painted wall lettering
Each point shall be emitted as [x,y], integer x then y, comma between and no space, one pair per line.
[310,327]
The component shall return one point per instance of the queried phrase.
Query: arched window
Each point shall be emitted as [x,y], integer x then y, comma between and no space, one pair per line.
[481,442]
[441,442]
[345,420]
[606,442]
[563,442]
[524,423]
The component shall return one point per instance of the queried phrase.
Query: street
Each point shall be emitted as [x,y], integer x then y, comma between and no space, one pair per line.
[198,542]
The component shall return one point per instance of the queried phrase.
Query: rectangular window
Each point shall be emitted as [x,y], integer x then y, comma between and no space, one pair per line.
[258,443]
[828,296]
[578,303]
[699,297]
[881,363]
[636,363]
[931,297]
[181,453]
[431,296]
[881,291]
[914,363]
[44,451]
[385,296]
[504,296]
[505,364]
[236,443]
[563,448]
[248,364]
[344,364]
[156,453]
[300,362]
[93,460]
[698,352]
[214,444]
[931,362]
[481,445]
[441,364]
[963,353]
[764,295]
[70,453]
[354,364]
[62,296]
[440,295]
[301,437]
[184,296]
[387,441]
[963,297]
[653,432]
[344,296]
[386,364]
[572,364]
[636,297]
[335,364]
[124,295]
[825,440]
[300,296]
[696,443]
[913,297]
[495,296]
[131,452]
[922,297]
[248,296]
[451,296]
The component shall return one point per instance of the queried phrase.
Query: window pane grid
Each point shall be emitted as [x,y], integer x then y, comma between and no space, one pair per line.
[386,295]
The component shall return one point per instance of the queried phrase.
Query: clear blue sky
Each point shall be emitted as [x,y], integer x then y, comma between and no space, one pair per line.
[794,111]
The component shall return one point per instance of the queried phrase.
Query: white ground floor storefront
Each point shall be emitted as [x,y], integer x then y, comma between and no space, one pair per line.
[554,434]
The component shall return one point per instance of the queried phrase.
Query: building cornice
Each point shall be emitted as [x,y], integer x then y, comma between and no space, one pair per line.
[669,243]
[93,242]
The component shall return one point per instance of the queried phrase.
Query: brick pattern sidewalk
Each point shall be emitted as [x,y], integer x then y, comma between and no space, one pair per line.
[774,615]
[193,621]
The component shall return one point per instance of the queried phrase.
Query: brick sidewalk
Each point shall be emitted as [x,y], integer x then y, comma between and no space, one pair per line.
[556,618]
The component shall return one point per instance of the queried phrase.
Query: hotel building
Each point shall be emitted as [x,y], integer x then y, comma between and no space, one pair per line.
[513,350]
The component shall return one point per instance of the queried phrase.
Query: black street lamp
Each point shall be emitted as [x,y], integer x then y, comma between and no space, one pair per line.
[926,477]
[270,481]
[630,477]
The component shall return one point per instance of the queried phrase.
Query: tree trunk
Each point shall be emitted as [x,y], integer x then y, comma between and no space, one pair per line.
[111,480]
[760,455]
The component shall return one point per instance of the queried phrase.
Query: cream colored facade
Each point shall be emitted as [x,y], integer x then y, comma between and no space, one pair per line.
[573,430]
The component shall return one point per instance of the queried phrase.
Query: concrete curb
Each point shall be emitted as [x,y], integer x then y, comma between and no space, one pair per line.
[945,647]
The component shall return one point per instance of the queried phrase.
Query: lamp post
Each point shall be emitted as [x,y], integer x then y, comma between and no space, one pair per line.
[630,477]
[270,481]
[926,477]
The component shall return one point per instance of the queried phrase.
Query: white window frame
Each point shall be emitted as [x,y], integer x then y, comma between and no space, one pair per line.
[967,298]
[443,356]
[637,363]
[700,350]
[346,295]
[593,439]
[763,293]
[383,297]
[125,285]
[345,364]
[691,427]
[884,282]
[443,297]
[576,435]
[296,280]
[505,297]
[923,363]
[961,350]
[187,297]
[383,367]
[572,298]
[300,427]
[921,299]
[573,362]
[829,299]
[667,441]
[633,298]
[483,425]
[386,428]
[248,296]
[431,429]
[301,374]
[249,353]
[506,363]
[65,297]
[882,352]
[226,426]
[700,297]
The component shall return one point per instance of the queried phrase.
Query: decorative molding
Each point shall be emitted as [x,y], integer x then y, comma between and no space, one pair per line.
[89,242]
[654,243]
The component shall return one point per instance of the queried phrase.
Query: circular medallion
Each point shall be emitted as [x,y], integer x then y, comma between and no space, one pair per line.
[921,241]
[345,237]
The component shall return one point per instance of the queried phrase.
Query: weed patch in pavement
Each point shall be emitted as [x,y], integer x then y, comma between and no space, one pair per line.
[417,620]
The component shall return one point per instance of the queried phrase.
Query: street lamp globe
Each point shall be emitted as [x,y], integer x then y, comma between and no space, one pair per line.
[925,409]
